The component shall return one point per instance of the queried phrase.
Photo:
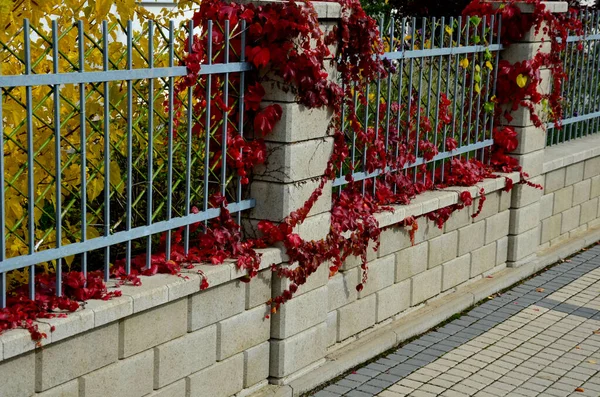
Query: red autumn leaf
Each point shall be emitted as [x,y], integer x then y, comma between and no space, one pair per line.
[254,96]
[259,56]
[265,120]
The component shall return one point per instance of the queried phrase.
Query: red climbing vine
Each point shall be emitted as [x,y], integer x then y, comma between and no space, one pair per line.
[287,47]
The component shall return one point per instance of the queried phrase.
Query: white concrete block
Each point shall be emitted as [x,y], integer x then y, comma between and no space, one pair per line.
[184,356]
[392,300]
[300,313]
[550,228]
[530,139]
[523,245]
[258,290]
[177,389]
[458,219]
[563,199]
[275,201]
[443,249]
[393,239]
[546,206]
[131,377]
[591,168]
[483,259]
[242,331]
[595,190]
[589,211]
[332,328]
[524,218]
[223,379]
[380,275]
[295,162]
[570,219]
[256,364]
[496,226]
[313,281]
[555,180]
[523,195]
[490,206]
[215,304]
[18,376]
[356,317]
[292,354]
[574,173]
[501,250]
[426,285]
[341,288]
[69,389]
[581,191]
[456,271]
[471,237]
[299,123]
[411,261]
[61,362]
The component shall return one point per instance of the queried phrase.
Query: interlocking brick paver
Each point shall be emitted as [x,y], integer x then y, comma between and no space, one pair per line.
[535,340]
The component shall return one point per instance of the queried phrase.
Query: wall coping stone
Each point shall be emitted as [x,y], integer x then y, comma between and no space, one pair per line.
[163,288]
[571,152]
[527,8]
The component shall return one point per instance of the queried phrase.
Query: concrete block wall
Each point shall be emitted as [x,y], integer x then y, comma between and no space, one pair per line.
[570,201]
[206,343]
[401,276]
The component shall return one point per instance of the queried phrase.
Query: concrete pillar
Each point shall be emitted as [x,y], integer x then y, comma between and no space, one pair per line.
[523,239]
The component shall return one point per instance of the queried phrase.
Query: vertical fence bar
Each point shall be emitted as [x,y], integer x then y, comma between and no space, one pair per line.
[410,85]
[569,85]
[83,142]
[464,89]
[439,95]
[580,74]
[207,114]
[225,115]
[585,98]
[30,159]
[596,74]
[471,92]
[57,157]
[479,84]
[150,175]
[497,56]
[241,106]
[419,97]
[575,90]
[594,77]
[448,76]
[188,149]
[400,82]
[490,41]
[129,208]
[105,65]
[430,89]
[170,140]
[2,210]
[366,127]
[377,101]
[389,90]
[456,74]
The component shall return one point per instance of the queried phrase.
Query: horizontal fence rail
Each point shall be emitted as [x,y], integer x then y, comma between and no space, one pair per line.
[104,160]
[440,85]
[581,88]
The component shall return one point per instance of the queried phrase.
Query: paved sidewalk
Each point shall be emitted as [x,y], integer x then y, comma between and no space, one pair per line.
[541,338]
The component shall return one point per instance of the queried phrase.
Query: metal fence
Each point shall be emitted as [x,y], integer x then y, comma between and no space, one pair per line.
[581,88]
[103,158]
[432,63]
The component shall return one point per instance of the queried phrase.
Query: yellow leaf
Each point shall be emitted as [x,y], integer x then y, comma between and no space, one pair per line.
[477,68]
[464,63]
[477,88]
[521,81]
[449,30]
[488,65]
[115,177]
